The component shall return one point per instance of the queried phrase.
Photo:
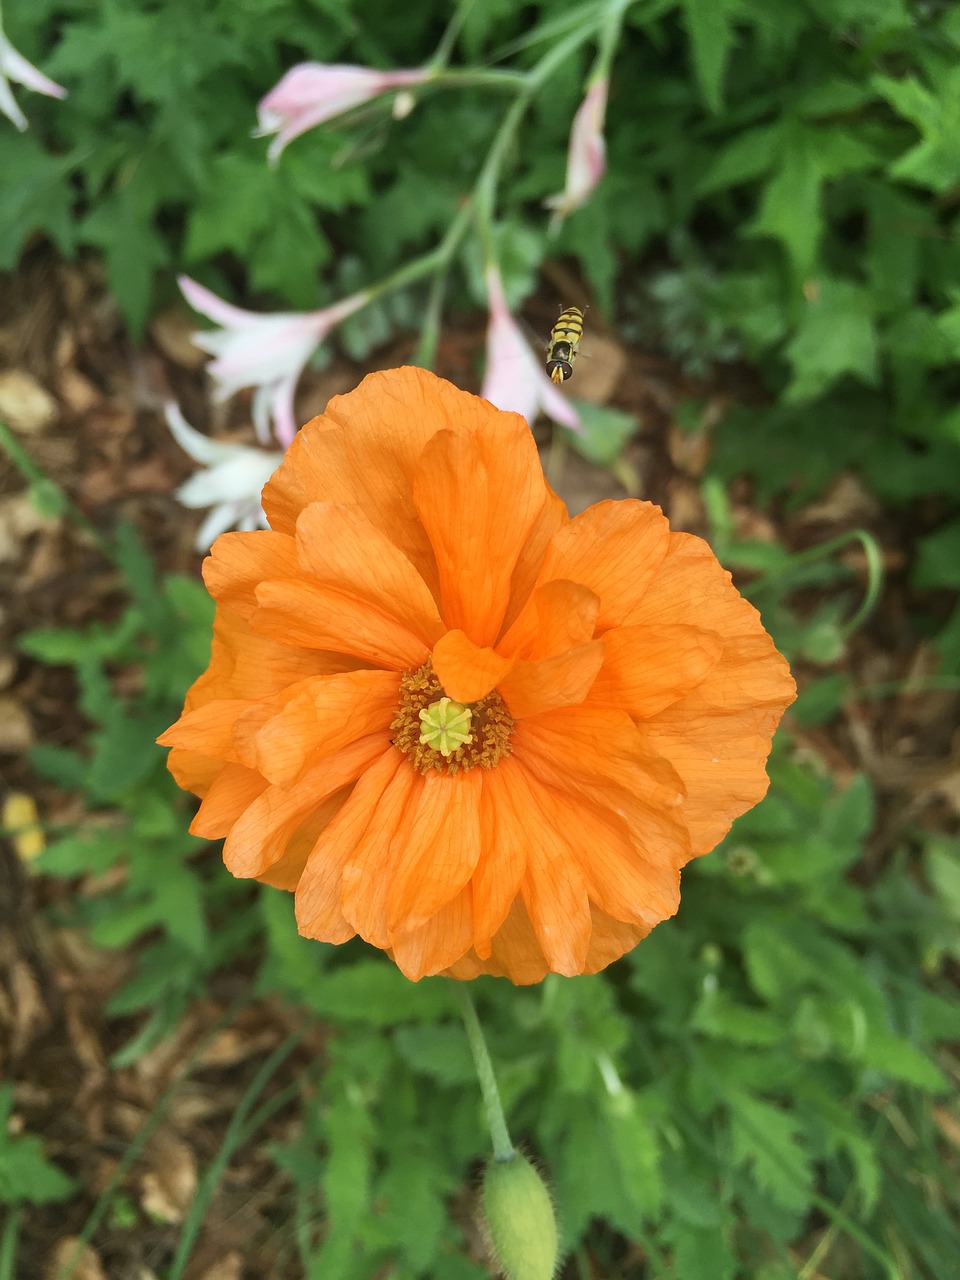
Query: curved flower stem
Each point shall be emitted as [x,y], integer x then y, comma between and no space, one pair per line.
[813,554]
[503,1148]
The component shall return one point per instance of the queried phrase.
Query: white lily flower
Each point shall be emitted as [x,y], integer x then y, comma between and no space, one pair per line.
[14,66]
[230,484]
[586,153]
[515,376]
[314,92]
[267,351]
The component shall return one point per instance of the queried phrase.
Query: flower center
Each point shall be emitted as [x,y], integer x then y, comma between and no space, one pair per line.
[438,733]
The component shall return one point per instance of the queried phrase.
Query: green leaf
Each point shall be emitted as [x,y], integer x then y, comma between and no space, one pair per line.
[701,1253]
[442,1052]
[935,161]
[938,558]
[123,227]
[603,435]
[744,157]
[25,1172]
[765,1139]
[710,28]
[790,208]
[35,196]
[836,336]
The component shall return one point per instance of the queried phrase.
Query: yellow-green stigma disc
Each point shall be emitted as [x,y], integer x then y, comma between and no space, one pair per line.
[446,726]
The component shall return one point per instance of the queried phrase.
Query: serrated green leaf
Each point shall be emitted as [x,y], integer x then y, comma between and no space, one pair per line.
[934,161]
[836,336]
[440,1052]
[709,25]
[35,196]
[701,1253]
[744,157]
[765,1139]
[791,207]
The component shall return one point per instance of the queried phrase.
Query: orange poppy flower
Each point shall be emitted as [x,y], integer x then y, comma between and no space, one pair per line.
[480,734]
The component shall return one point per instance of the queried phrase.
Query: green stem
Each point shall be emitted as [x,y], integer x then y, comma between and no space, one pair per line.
[822,552]
[503,1148]
[8,1243]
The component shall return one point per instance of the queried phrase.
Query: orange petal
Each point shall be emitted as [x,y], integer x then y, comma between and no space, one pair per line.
[364,449]
[366,873]
[718,735]
[244,664]
[505,836]
[437,943]
[553,888]
[718,741]
[440,851]
[325,714]
[558,616]
[259,838]
[515,953]
[339,547]
[320,889]
[239,561]
[192,770]
[466,671]
[285,873]
[646,668]
[232,792]
[610,940]
[596,746]
[561,681]
[208,729]
[305,613]
[615,549]
[478,496]
[552,516]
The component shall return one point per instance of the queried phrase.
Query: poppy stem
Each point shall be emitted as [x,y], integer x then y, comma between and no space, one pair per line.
[503,1148]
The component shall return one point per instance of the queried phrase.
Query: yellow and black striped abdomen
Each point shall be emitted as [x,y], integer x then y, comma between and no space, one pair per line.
[563,344]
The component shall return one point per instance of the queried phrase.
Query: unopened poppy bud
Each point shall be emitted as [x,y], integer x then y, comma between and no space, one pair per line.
[521,1226]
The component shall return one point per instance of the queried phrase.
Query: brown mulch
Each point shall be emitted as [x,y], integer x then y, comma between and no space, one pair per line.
[85,402]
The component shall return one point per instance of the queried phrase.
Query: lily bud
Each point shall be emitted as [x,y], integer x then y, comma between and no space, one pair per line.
[520,1222]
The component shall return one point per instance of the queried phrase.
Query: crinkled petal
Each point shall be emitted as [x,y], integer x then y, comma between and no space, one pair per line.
[363,451]
[558,616]
[338,546]
[327,713]
[478,496]
[437,943]
[259,837]
[506,833]
[467,671]
[320,889]
[239,562]
[231,793]
[367,870]
[301,612]
[564,680]
[646,668]
[615,549]
[438,856]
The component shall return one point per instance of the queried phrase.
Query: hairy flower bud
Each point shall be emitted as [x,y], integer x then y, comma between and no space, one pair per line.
[520,1222]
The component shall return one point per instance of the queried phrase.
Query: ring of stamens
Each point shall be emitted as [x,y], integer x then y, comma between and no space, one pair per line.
[490,724]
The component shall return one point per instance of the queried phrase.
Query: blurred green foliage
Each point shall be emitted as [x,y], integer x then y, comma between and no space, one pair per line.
[748,1094]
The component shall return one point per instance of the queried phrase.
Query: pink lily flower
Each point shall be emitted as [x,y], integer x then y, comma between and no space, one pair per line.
[515,376]
[14,66]
[229,483]
[266,351]
[586,154]
[313,92]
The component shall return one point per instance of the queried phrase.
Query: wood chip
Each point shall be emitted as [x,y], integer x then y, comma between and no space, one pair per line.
[16,731]
[25,405]
[84,1262]
[169,1184]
